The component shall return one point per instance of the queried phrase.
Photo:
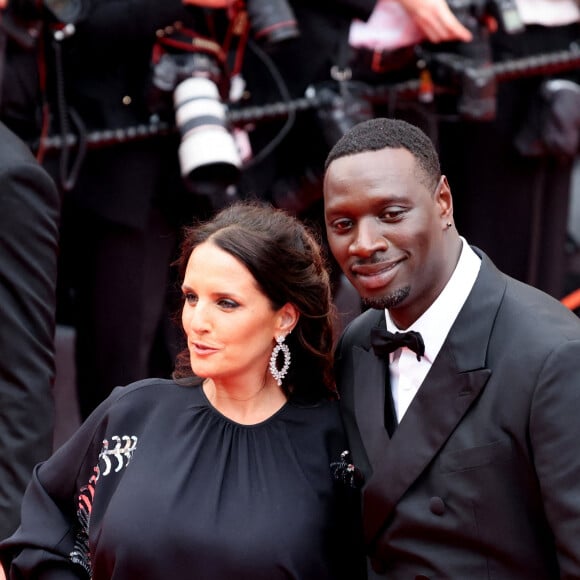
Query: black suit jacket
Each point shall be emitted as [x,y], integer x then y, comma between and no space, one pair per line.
[29,206]
[482,477]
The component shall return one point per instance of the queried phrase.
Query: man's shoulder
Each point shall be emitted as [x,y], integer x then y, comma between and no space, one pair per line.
[358,330]
[524,305]
[533,309]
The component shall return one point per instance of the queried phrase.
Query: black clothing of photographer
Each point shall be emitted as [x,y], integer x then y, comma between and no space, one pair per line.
[122,210]
[121,215]
[290,176]
[29,207]
[515,201]
[515,183]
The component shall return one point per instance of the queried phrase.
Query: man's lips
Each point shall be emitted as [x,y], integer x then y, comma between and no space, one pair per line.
[377,275]
[375,268]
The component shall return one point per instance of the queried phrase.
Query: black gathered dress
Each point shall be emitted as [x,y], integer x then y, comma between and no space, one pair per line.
[157,484]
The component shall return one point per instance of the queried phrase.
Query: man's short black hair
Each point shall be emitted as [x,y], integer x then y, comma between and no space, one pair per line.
[381,133]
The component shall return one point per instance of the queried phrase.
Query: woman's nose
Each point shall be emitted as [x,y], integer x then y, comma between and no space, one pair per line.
[196,318]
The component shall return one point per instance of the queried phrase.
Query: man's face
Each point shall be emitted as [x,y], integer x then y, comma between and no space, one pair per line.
[386,229]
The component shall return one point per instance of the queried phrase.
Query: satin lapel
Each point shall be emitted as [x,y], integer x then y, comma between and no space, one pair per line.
[369,378]
[454,382]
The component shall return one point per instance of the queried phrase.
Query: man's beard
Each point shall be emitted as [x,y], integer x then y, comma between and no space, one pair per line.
[389,301]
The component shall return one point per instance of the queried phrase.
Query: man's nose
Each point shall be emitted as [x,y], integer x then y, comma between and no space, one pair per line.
[369,238]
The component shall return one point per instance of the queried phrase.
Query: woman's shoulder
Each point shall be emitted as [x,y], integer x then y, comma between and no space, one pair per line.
[131,407]
[324,413]
[152,386]
[321,405]
[151,393]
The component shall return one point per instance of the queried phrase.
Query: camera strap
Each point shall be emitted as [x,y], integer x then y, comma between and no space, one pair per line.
[237,34]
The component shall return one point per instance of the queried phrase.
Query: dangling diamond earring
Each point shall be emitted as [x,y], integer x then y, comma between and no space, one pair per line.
[279,374]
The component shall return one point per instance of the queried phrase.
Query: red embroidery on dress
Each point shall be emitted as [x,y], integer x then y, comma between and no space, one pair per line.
[81,554]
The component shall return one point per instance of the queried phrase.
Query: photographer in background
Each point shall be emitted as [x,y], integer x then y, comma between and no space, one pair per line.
[122,215]
[124,203]
[515,188]
[289,175]
[514,164]
[292,175]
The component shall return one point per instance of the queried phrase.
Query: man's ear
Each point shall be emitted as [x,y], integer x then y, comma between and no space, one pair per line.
[444,199]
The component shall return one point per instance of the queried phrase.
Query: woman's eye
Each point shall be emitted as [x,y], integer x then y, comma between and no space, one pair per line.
[190,298]
[227,303]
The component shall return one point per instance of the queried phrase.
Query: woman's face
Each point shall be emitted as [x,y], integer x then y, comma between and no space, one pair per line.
[230,324]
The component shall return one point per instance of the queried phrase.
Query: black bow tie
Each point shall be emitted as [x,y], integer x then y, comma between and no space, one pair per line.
[385,342]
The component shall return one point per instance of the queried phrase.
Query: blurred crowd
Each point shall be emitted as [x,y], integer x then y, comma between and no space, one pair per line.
[148,116]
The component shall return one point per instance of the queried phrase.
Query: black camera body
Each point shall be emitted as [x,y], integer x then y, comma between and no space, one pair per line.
[504,11]
[190,79]
[469,65]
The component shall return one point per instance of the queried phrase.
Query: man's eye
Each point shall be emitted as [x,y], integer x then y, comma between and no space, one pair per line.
[342,225]
[393,214]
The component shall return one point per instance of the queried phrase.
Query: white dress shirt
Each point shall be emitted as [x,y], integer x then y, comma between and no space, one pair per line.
[407,373]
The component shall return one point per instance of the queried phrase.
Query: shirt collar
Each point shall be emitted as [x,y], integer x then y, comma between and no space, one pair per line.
[436,322]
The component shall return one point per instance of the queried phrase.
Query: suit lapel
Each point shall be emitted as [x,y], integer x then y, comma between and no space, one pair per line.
[369,378]
[454,382]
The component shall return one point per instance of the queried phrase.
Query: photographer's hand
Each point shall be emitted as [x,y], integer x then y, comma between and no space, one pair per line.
[436,20]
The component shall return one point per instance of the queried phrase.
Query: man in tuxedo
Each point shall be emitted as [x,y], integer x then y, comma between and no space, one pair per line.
[464,424]
[29,205]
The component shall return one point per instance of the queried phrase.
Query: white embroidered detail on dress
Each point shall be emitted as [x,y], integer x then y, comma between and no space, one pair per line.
[122,452]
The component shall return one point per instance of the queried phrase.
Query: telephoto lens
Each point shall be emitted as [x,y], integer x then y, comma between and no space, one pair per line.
[207,152]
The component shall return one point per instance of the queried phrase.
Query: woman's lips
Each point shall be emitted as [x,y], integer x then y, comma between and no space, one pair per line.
[202,349]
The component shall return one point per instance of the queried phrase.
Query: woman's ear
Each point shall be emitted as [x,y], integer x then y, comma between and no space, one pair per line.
[288,317]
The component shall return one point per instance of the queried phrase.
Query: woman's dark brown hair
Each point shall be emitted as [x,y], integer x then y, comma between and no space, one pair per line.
[288,265]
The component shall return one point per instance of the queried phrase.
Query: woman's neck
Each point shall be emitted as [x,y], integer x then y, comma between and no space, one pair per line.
[245,404]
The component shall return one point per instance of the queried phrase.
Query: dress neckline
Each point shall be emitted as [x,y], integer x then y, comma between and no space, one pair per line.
[264,422]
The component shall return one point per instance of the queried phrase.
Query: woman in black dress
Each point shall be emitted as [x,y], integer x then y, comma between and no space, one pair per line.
[232,469]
